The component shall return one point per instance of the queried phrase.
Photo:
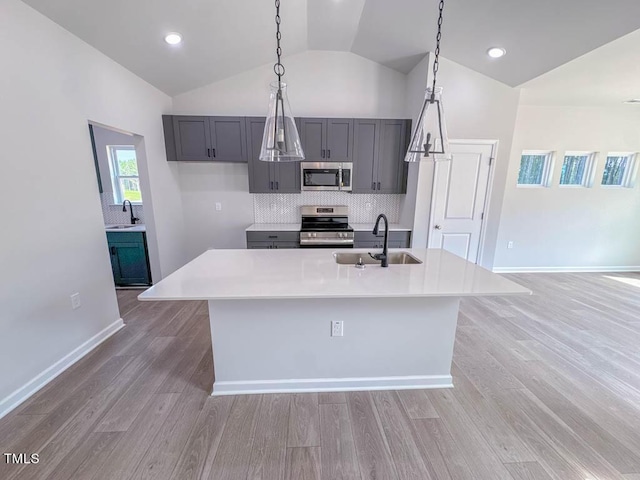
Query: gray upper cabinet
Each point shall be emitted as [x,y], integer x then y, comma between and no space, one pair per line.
[379,148]
[228,139]
[391,167]
[205,139]
[260,175]
[268,177]
[340,139]
[366,139]
[313,135]
[287,177]
[192,138]
[327,139]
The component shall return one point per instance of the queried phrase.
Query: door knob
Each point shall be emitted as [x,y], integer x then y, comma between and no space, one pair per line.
[438,227]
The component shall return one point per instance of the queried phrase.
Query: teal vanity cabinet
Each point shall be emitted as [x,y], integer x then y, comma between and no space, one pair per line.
[129,258]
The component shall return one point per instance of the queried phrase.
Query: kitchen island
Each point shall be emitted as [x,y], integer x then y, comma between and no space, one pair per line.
[271,314]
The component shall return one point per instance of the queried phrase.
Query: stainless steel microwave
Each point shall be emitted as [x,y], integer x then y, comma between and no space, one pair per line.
[318,176]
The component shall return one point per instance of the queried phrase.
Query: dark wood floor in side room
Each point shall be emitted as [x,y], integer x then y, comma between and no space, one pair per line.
[546,387]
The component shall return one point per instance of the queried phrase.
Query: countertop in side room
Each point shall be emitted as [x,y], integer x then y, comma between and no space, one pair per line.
[313,273]
[131,228]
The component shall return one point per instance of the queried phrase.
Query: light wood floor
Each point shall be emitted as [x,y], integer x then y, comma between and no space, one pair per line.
[546,387]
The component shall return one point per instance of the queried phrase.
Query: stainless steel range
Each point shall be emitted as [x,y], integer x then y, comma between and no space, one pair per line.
[325,226]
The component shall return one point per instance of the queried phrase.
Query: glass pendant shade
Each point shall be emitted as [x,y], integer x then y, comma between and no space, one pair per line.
[430,140]
[280,141]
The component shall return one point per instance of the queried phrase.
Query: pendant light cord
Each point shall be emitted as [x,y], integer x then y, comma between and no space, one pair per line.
[436,62]
[278,68]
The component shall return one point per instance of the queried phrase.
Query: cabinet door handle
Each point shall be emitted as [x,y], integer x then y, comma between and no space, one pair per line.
[277,186]
[328,153]
[270,185]
[373,185]
[378,185]
[273,236]
[322,153]
[113,250]
[209,152]
[214,152]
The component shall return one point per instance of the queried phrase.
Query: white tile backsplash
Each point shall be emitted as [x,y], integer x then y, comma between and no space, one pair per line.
[363,208]
[114,215]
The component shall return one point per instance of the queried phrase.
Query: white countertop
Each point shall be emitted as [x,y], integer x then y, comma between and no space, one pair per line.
[313,273]
[131,228]
[393,227]
[274,227]
[294,227]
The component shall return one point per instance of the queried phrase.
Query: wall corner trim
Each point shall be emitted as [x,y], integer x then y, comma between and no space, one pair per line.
[583,269]
[9,403]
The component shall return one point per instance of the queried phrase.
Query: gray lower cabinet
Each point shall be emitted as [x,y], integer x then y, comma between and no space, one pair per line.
[273,240]
[205,139]
[268,177]
[378,159]
[397,239]
[129,258]
[327,139]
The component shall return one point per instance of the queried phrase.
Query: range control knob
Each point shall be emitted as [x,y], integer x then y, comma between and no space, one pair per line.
[314,235]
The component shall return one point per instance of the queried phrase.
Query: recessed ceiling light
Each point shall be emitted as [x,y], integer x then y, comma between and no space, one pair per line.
[496,52]
[633,101]
[173,38]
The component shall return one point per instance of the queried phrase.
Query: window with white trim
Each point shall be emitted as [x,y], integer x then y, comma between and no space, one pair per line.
[124,173]
[619,170]
[535,168]
[577,169]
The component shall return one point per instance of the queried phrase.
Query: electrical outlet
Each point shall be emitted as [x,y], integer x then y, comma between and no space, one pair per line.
[218,206]
[368,205]
[337,328]
[75,301]
[510,244]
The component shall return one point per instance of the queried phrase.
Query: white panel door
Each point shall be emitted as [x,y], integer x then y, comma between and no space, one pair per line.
[459,195]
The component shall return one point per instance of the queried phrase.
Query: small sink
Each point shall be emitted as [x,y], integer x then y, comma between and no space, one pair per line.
[395,258]
[118,227]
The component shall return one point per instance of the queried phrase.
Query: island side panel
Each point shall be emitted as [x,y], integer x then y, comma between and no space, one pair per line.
[285,345]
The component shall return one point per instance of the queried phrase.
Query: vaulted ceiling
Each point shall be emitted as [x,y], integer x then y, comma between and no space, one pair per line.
[224,38]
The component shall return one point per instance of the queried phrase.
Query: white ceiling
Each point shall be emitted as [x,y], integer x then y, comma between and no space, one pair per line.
[224,38]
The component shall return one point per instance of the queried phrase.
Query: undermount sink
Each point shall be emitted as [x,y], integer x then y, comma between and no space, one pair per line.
[395,258]
[118,227]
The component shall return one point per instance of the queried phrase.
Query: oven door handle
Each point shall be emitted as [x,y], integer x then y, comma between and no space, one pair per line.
[326,241]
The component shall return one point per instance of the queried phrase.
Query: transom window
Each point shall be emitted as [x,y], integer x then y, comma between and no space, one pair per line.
[577,169]
[124,173]
[618,170]
[535,168]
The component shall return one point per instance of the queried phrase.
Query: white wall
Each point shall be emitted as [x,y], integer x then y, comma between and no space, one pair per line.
[54,243]
[420,174]
[321,84]
[478,108]
[573,228]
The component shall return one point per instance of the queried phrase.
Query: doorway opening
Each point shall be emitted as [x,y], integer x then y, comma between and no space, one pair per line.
[116,157]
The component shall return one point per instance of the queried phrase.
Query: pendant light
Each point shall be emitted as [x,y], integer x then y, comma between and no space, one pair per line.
[430,140]
[280,141]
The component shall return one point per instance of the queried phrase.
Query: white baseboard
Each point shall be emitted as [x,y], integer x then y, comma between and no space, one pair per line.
[20,395]
[331,385]
[564,269]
